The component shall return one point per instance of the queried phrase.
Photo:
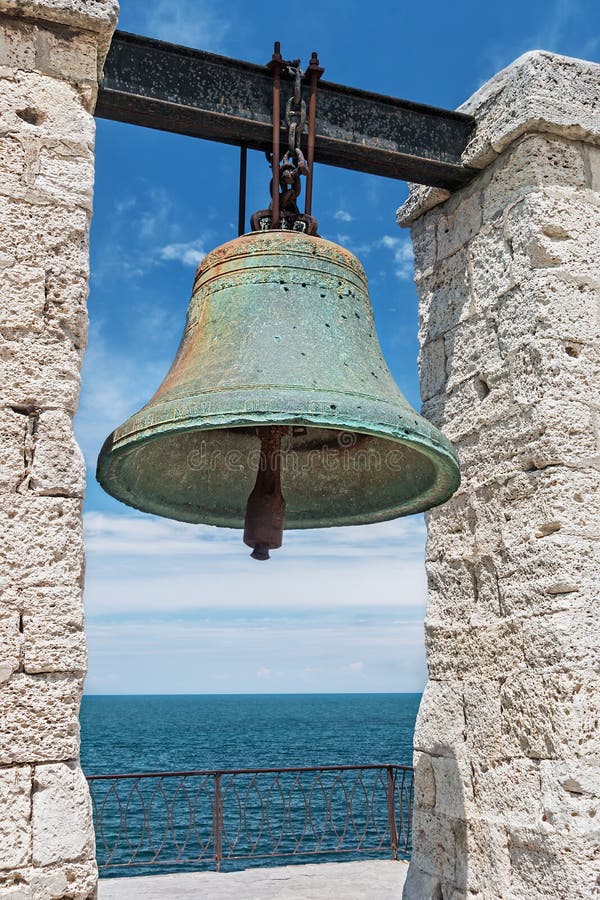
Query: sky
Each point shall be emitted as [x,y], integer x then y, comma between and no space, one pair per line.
[175,608]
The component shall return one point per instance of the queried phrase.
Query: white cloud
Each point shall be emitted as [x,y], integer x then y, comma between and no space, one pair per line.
[403,255]
[114,386]
[190,253]
[263,672]
[342,215]
[358,666]
[146,564]
[194,23]
[305,653]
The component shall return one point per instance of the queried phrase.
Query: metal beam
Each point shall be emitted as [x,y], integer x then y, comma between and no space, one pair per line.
[172,88]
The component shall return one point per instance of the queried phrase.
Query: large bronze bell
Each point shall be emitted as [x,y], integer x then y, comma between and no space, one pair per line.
[279,372]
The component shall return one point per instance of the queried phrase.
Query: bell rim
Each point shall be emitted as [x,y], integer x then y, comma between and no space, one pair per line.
[441,454]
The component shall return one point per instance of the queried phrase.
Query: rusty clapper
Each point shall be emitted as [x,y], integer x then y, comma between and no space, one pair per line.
[279,409]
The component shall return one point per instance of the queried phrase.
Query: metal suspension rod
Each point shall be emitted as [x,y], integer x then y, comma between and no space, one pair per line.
[275,65]
[315,72]
[242,192]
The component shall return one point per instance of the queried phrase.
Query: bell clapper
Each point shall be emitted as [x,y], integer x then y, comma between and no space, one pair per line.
[265,512]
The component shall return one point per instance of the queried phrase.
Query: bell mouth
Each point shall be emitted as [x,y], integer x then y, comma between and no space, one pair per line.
[329,476]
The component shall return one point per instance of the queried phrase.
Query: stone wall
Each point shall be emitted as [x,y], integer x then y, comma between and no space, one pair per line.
[507,745]
[50,55]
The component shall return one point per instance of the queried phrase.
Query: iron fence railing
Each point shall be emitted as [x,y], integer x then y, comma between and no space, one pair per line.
[159,820]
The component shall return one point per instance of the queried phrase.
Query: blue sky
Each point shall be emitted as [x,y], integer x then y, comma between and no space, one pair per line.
[173,608]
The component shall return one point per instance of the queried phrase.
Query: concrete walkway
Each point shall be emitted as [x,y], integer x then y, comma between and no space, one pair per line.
[369,880]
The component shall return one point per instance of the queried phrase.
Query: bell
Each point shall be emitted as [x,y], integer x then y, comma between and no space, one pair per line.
[279,409]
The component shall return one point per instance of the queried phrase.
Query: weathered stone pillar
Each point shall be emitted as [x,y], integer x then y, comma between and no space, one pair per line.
[507,745]
[50,55]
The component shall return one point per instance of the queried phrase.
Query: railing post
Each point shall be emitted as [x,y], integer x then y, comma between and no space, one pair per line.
[218,822]
[391,804]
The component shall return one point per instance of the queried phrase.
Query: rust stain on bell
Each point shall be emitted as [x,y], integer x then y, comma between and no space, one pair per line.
[279,332]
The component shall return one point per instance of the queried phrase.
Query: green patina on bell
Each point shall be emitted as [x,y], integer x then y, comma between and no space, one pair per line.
[279,372]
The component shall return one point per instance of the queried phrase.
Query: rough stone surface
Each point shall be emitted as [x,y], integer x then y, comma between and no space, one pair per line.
[507,739]
[61,815]
[96,16]
[51,52]
[15,812]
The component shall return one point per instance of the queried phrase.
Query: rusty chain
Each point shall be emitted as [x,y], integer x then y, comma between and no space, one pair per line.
[288,166]
[293,162]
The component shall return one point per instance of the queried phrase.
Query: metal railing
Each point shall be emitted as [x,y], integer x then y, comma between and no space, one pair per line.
[160,820]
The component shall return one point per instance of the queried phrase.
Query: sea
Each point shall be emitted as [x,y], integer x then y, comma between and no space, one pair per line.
[165,824]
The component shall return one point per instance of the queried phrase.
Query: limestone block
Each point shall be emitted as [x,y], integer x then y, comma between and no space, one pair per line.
[472,405]
[62,814]
[420,200]
[65,178]
[452,590]
[565,703]
[17,46]
[66,307]
[591,157]
[438,842]
[491,268]
[459,221]
[39,715]
[472,350]
[483,726]
[571,797]
[532,161]
[94,15]
[440,724]
[13,167]
[539,577]
[462,591]
[47,624]
[68,55]
[489,605]
[483,870]
[466,528]
[15,825]
[548,434]
[551,503]
[451,530]
[543,369]
[63,881]
[539,91]
[432,368]
[22,298]
[484,651]
[423,781]
[66,881]
[453,786]
[546,304]
[420,885]
[423,235]
[97,16]
[10,643]
[558,229]
[445,297]
[508,792]
[58,467]
[12,438]
[39,371]
[549,866]
[45,108]
[53,638]
[563,641]
[42,540]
